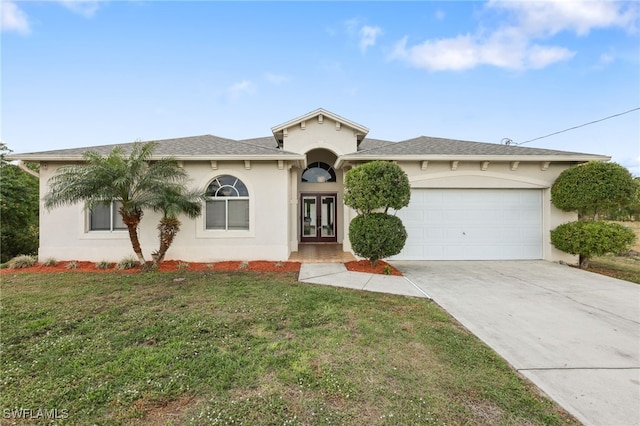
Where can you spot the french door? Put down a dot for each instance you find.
(318, 218)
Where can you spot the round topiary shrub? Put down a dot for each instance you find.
(377, 236)
(376, 185)
(593, 188)
(592, 238)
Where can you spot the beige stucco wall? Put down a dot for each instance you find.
(340, 140)
(64, 234)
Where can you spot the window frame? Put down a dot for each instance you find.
(323, 166)
(228, 199)
(114, 218)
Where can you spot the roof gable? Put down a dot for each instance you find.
(280, 130)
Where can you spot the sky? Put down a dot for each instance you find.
(87, 73)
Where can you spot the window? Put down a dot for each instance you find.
(227, 204)
(106, 217)
(319, 172)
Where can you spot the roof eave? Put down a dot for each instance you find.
(252, 157)
(504, 158)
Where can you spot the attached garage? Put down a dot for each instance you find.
(473, 224)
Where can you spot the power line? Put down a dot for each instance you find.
(508, 141)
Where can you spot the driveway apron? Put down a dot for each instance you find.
(574, 334)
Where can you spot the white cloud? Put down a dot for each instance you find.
(13, 18)
(368, 36)
(276, 79)
(238, 89)
(545, 18)
(514, 45)
(538, 57)
(86, 8)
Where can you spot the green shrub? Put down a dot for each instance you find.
(22, 261)
(103, 264)
(376, 185)
(73, 265)
(127, 263)
(593, 188)
(50, 262)
(592, 238)
(376, 236)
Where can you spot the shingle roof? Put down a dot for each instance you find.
(207, 147)
(210, 147)
(430, 146)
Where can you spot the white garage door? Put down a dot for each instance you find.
(473, 224)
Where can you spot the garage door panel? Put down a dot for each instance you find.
(473, 224)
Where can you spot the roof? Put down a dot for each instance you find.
(204, 147)
(423, 148)
(430, 148)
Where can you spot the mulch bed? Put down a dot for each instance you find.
(382, 268)
(365, 266)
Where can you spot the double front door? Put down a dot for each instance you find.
(318, 217)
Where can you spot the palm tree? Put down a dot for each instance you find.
(134, 180)
(172, 201)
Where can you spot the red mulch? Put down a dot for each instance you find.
(365, 266)
(228, 266)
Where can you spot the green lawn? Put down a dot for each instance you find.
(244, 348)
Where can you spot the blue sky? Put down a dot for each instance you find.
(84, 73)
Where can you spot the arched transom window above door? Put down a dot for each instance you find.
(319, 172)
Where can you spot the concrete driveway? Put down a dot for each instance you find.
(574, 334)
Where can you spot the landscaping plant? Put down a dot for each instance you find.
(592, 238)
(592, 189)
(369, 188)
(136, 181)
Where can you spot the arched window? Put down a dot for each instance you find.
(227, 204)
(319, 172)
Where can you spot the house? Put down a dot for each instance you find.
(469, 201)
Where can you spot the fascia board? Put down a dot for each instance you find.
(503, 158)
(59, 158)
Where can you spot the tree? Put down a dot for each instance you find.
(134, 180)
(593, 188)
(592, 238)
(19, 206)
(374, 186)
(173, 201)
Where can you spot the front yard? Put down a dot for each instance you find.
(208, 347)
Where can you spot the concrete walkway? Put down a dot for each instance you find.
(574, 334)
(336, 274)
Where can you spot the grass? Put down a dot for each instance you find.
(622, 267)
(246, 348)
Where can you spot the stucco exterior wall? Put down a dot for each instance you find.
(64, 232)
(326, 135)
